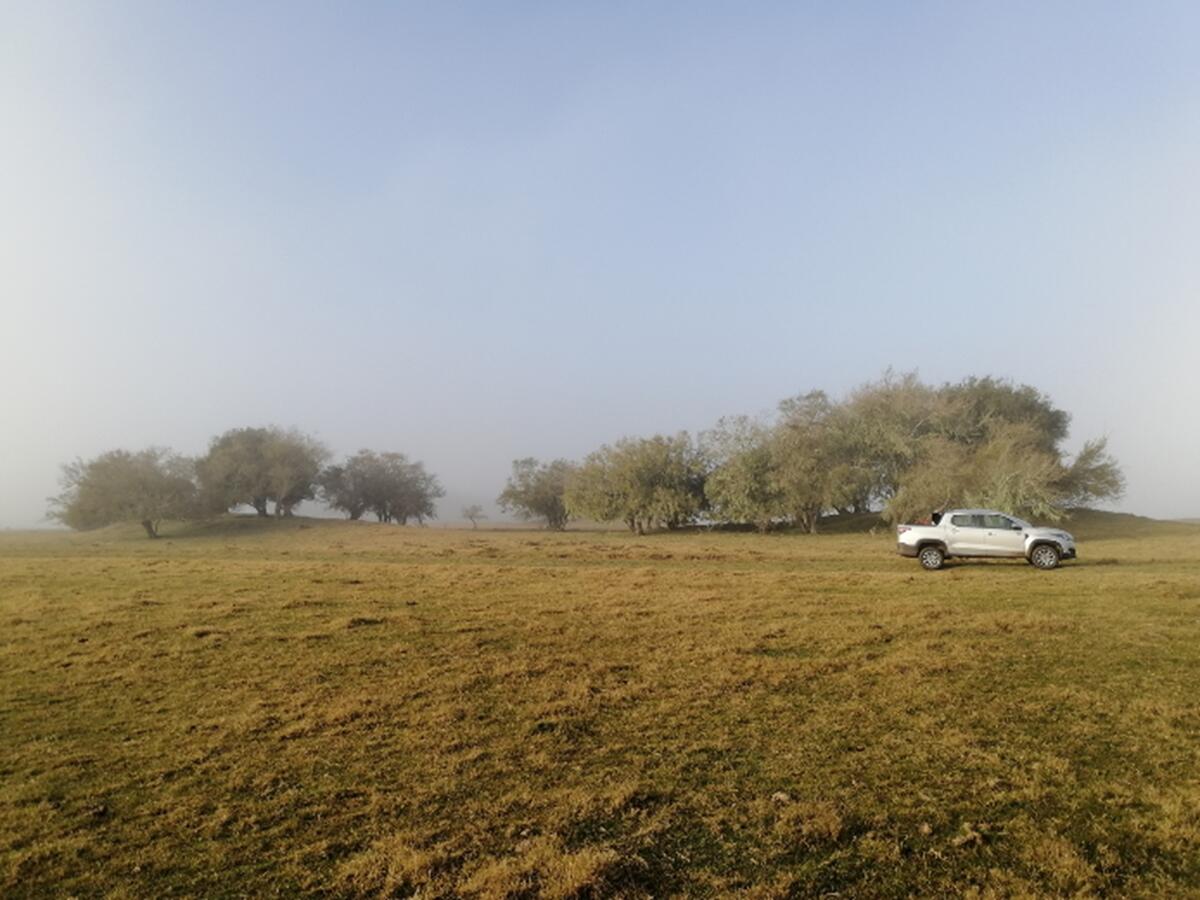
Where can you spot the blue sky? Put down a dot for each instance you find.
(476, 232)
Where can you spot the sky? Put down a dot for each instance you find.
(477, 232)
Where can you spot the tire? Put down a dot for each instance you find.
(1044, 556)
(931, 558)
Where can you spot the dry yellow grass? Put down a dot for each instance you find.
(258, 709)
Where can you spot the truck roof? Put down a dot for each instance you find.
(979, 512)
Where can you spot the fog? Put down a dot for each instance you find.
(479, 233)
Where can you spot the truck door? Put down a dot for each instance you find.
(1004, 536)
(967, 535)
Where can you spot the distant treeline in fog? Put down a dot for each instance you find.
(895, 445)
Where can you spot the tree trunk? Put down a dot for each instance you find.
(151, 528)
(260, 506)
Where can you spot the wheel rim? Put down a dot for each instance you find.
(1044, 557)
(931, 559)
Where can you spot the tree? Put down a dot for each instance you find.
(234, 471)
(1092, 476)
(347, 486)
(1011, 471)
(405, 491)
(879, 428)
(982, 441)
(643, 482)
(473, 514)
(855, 476)
(119, 486)
(536, 491)
(741, 487)
(294, 463)
(255, 466)
(804, 470)
(936, 483)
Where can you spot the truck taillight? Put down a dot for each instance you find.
(900, 529)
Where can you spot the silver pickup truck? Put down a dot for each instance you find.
(983, 532)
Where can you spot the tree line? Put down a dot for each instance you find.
(256, 467)
(895, 445)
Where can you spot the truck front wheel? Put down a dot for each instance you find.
(931, 558)
(1044, 556)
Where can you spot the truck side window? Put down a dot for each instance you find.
(966, 521)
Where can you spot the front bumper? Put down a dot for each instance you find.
(905, 549)
(1068, 553)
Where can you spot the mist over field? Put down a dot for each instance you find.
(475, 234)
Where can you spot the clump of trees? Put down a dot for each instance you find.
(388, 485)
(895, 445)
(254, 467)
(906, 448)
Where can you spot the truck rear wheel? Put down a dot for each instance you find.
(1044, 556)
(931, 558)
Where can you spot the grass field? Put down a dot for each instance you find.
(330, 708)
